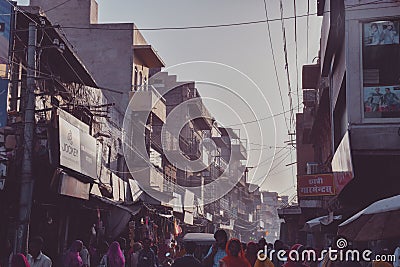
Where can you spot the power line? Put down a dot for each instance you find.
(274, 61)
(287, 189)
(297, 63)
(273, 157)
(54, 7)
(257, 120)
(188, 27)
(291, 118)
(22, 11)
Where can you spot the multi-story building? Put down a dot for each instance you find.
(270, 202)
(80, 184)
(347, 135)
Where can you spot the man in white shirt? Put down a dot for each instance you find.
(35, 257)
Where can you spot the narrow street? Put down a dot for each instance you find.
(213, 134)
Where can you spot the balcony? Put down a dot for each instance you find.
(145, 99)
(203, 117)
(221, 141)
(239, 151)
(149, 177)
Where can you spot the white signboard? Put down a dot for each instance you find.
(115, 187)
(188, 201)
(135, 190)
(70, 148)
(188, 219)
(177, 203)
(78, 149)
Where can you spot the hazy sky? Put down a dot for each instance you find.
(244, 48)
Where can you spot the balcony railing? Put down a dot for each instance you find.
(199, 111)
(146, 98)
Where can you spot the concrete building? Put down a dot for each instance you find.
(359, 41)
(116, 54)
(347, 135)
(270, 203)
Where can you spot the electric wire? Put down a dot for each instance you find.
(297, 63)
(291, 117)
(274, 62)
(54, 7)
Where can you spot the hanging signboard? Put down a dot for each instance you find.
(316, 185)
(77, 148)
(342, 165)
(6, 14)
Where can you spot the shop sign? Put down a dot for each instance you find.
(72, 187)
(342, 165)
(316, 185)
(77, 149)
(6, 14)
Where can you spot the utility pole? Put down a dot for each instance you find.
(27, 181)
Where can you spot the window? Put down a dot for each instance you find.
(135, 81)
(381, 64)
(140, 80)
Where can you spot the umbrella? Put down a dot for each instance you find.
(378, 221)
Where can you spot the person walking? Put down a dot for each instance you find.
(85, 255)
(251, 252)
(135, 254)
(295, 263)
(146, 257)
(188, 259)
(36, 258)
(235, 256)
(278, 246)
(114, 256)
(73, 259)
(217, 251)
(19, 260)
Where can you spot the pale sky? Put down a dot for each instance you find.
(245, 48)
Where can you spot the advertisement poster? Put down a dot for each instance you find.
(382, 101)
(5, 29)
(381, 33)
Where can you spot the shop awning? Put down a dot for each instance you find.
(132, 209)
(155, 197)
(316, 223)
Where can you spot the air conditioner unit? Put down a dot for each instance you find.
(312, 168)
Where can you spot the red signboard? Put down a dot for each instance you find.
(316, 185)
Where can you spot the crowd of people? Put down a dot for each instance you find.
(223, 253)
